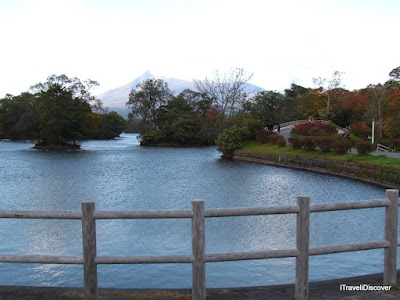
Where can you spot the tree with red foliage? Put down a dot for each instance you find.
(354, 105)
(360, 129)
(392, 128)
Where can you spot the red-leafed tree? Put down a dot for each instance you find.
(360, 129)
(354, 105)
(392, 128)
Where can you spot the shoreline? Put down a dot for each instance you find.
(345, 169)
(327, 289)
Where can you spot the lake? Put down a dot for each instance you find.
(120, 175)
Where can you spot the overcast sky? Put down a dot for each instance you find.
(114, 41)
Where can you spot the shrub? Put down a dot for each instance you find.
(278, 140)
(230, 140)
(315, 131)
(396, 144)
(308, 143)
(325, 142)
(364, 147)
(263, 136)
(341, 146)
(151, 138)
(295, 142)
(311, 128)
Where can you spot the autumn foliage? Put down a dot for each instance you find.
(360, 129)
(314, 128)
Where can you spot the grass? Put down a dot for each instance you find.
(380, 160)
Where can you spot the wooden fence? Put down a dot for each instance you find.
(198, 258)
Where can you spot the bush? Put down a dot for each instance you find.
(151, 138)
(314, 128)
(341, 146)
(325, 142)
(230, 140)
(308, 143)
(264, 136)
(278, 140)
(318, 132)
(364, 147)
(295, 142)
(396, 144)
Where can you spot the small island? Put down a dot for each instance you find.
(57, 114)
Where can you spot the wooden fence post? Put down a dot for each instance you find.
(302, 242)
(198, 251)
(89, 250)
(391, 216)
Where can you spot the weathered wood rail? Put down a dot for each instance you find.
(198, 258)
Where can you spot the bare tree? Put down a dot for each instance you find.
(146, 98)
(227, 89)
(378, 94)
(327, 86)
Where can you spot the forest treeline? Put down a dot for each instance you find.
(62, 111)
(59, 112)
(198, 117)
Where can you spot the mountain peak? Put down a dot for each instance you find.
(146, 75)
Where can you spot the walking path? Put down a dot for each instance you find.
(320, 290)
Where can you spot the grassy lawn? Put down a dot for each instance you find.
(380, 160)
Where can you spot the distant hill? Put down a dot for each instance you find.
(116, 99)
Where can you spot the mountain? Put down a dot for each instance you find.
(116, 98)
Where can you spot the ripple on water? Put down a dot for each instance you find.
(120, 175)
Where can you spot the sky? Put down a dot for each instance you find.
(279, 42)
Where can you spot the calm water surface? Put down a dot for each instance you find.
(121, 175)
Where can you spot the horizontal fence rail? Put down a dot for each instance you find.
(292, 124)
(198, 257)
(380, 147)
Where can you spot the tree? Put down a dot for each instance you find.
(230, 140)
(395, 74)
(56, 113)
(227, 89)
(290, 110)
(184, 121)
(377, 93)
(19, 117)
(61, 116)
(394, 79)
(310, 104)
(64, 106)
(146, 99)
(267, 107)
(392, 128)
(111, 125)
(326, 87)
(73, 85)
(352, 108)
